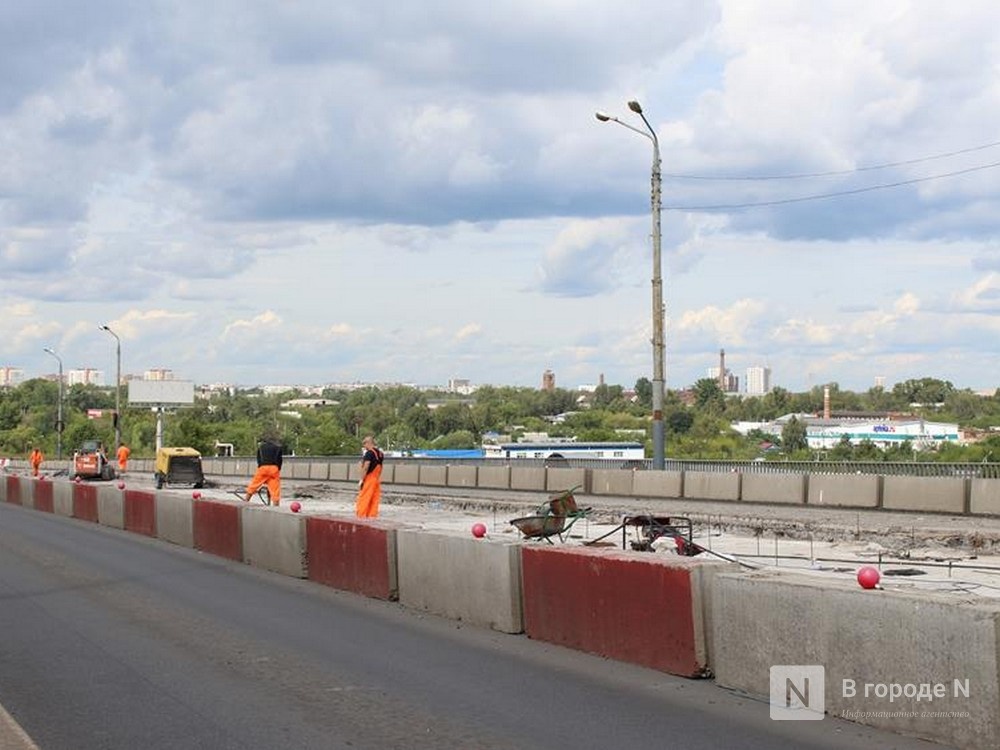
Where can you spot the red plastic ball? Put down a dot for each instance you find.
(295, 507)
(868, 577)
(479, 530)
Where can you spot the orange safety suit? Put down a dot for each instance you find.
(35, 459)
(123, 455)
(268, 472)
(370, 485)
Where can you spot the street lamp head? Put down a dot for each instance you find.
(46, 349)
(103, 328)
(635, 107)
(602, 116)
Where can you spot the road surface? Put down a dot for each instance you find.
(116, 641)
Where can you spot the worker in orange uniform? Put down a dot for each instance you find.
(35, 459)
(268, 470)
(123, 455)
(370, 484)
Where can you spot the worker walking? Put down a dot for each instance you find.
(123, 456)
(370, 484)
(268, 470)
(35, 459)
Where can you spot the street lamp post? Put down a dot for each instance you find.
(118, 387)
(59, 406)
(658, 345)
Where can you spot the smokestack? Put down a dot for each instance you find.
(826, 402)
(722, 370)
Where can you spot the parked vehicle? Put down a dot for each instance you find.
(178, 465)
(91, 462)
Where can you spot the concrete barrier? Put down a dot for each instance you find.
(493, 477)
(274, 540)
(774, 488)
(338, 471)
(296, 469)
(558, 479)
(3, 487)
(319, 470)
(217, 528)
(935, 494)
(874, 637)
(985, 497)
(13, 485)
(388, 472)
(611, 482)
(848, 490)
(110, 506)
(462, 476)
(472, 580)
(44, 496)
(353, 555)
(712, 485)
(139, 512)
(62, 498)
(636, 607)
(406, 474)
(433, 475)
(527, 478)
(85, 502)
(175, 518)
(658, 484)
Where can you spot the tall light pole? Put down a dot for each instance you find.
(59, 407)
(658, 346)
(118, 387)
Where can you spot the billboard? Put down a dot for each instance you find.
(160, 392)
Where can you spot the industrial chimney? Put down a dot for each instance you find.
(826, 402)
(722, 370)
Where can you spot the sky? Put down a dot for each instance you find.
(312, 192)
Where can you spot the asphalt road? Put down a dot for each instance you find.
(115, 641)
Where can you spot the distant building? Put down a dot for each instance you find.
(11, 376)
(885, 431)
(85, 376)
(758, 381)
(548, 381)
(158, 374)
(728, 383)
(460, 385)
(880, 381)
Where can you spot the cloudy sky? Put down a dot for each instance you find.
(300, 191)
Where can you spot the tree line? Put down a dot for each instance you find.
(697, 420)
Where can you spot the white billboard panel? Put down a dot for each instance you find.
(160, 392)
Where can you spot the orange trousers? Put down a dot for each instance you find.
(366, 506)
(34, 468)
(271, 476)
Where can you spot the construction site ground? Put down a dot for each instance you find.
(924, 551)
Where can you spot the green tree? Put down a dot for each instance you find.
(793, 436)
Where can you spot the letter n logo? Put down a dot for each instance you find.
(798, 692)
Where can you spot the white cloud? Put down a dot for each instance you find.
(374, 177)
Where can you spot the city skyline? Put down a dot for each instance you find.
(306, 192)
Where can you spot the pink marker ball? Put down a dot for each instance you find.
(121, 485)
(295, 507)
(868, 577)
(196, 494)
(479, 530)
(78, 480)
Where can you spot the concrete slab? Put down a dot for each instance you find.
(110, 506)
(865, 637)
(275, 540)
(473, 580)
(935, 494)
(773, 488)
(845, 490)
(175, 518)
